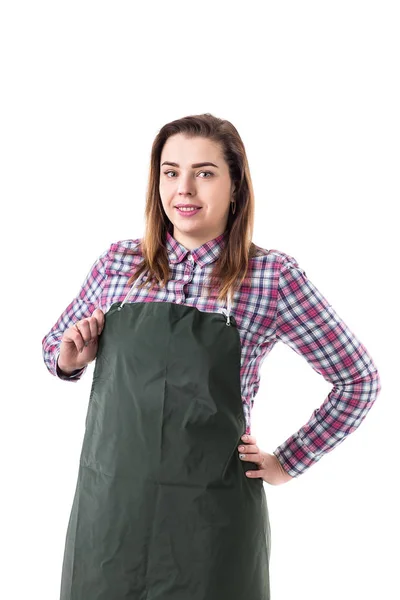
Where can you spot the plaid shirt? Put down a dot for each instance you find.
(275, 302)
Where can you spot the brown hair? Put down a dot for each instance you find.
(231, 266)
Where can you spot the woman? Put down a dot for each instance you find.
(170, 500)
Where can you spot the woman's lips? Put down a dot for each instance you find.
(187, 213)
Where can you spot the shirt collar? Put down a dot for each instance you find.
(203, 255)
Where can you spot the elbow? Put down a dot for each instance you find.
(377, 381)
(372, 385)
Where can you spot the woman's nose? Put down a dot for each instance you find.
(186, 185)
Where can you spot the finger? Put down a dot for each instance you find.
(254, 458)
(88, 329)
(74, 335)
(256, 473)
(98, 314)
(77, 332)
(94, 328)
(83, 327)
(248, 439)
(249, 449)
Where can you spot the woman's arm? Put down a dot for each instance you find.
(310, 326)
(83, 305)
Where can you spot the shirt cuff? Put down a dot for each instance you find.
(74, 376)
(294, 455)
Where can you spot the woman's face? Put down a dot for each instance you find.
(185, 179)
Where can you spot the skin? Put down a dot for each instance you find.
(211, 188)
(270, 469)
(79, 343)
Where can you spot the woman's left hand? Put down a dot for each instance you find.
(270, 469)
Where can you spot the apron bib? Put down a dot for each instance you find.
(163, 509)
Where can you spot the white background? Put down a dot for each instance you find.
(313, 89)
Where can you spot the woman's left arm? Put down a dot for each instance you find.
(310, 326)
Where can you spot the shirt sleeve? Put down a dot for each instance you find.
(310, 326)
(83, 305)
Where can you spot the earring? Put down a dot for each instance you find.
(233, 207)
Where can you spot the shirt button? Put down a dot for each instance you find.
(191, 258)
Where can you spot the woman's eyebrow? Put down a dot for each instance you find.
(194, 166)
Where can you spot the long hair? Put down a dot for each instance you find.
(231, 266)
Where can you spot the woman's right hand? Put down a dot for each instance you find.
(79, 342)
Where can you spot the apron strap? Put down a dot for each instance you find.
(226, 311)
(129, 294)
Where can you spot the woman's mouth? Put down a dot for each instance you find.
(187, 212)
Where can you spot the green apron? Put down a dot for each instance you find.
(163, 509)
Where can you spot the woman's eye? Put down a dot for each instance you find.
(206, 172)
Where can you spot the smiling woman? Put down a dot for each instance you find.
(196, 202)
(164, 505)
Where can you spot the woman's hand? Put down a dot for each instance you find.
(270, 469)
(79, 343)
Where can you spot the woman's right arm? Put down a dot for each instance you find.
(81, 307)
